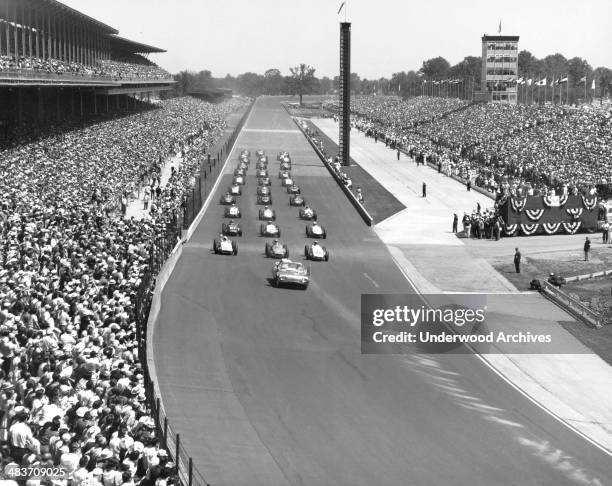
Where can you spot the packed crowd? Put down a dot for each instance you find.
(515, 149)
(108, 68)
(71, 381)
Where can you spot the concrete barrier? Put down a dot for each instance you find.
(572, 306)
(349, 194)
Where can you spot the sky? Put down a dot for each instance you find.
(236, 36)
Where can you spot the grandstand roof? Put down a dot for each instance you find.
(133, 46)
(58, 6)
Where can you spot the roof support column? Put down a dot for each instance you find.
(8, 31)
(23, 31)
(30, 29)
(15, 31)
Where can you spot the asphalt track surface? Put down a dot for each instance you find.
(268, 386)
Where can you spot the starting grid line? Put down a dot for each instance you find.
(269, 130)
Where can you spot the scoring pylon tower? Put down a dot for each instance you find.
(345, 92)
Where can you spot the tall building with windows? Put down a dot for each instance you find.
(500, 68)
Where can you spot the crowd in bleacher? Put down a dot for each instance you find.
(115, 69)
(71, 381)
(504, 148)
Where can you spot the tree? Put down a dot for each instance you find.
(326, 85)
(250, 84)
(436, 68)
(527, 64)
(302, 80)
(273, 82)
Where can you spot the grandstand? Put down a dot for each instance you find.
(56, 61)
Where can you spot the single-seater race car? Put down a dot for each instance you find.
(261, 165)
(264, 190)
(227, 198)
(297, 200)
(244, 153)
(315, 230)
(235, 190)
(269, 229)
(285, 166)
(264, 181)
(264, 199)
(263, 159)
(293, 189)
(239, 180)
(244, 165)
(307, 213)
(284, 174)
(231, 229)
(286, 272)
(224, 246)
(316, 252)
(232, 211)
(239, 171)
(261, 173)
(276, 249)
(259, 153)
(282, 155)
(286, 182)
(267, 214)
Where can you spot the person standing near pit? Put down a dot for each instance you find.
(587, 249)
(455, 222)
(517, 260)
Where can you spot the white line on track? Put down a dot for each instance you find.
(371, 280)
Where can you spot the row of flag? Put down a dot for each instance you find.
(553, 82)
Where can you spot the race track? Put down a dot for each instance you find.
(268, 386)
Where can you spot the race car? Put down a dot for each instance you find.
(297, 200)
(239, 180)
(293, 189)
(259, 153)
(261, 165)
(264, 181)
(285, 157)
(231, 229)
(315, 230)
(225, 246)
(285, 166)
(267, 214)
(263, 158)
(261, 173)
(261, 190)
(307, 213)
(264, 199)
(243, 165)
(232, 211)
(284, 174)
(287, 182)
(244, 153)
(269, 229)
(282, 155)
(286, 272)
(240, 171)
(235, 190)
(227, 198)
(316, 252)
(276, 249)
